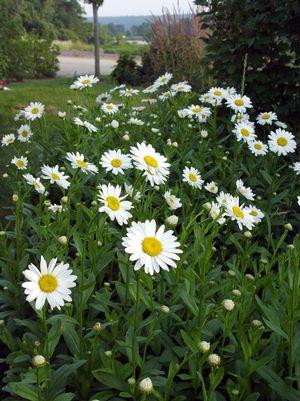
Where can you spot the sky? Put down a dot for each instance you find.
(115, 8)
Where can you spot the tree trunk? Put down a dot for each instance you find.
(96, 40)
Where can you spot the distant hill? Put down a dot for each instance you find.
(128, 21)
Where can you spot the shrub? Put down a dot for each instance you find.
(176, 43)
(265, 32)
(29, 57)
(127, 70)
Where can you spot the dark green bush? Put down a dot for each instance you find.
(267, 32)
(28, 57)
(127, 71)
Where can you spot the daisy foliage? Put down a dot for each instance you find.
(149, 246)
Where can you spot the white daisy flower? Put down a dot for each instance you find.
(8, 139)
(223, 198)
(151, 249)
(282, 142)
(55, 208)
(114, 204)
(109, 108)
(166, 95)
(20, 162)
(35, 182)
(24, 133)
(51, 283)
(192, 176)
(183, 113)
(173, 202)
(238, 103)
(199, 111)
(85, 81)
(218, 93)
(150, 89)
(296, 168)
(256, 213)
(245, 191)
(212, 187)
(239, 213)
(211, 99)
(34, 110)
(77, 161)
(215, 212)
(154, 165)
(240, 117)
(163, 79)
(103, 97)
(266, 118)
(258, 148)
(181, 87)
(127, 92)
(55, 176)
(135, 121)
(244, 131)
(90, 127)
(115, 161)
(136, 195)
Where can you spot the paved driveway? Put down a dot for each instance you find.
(70, 66)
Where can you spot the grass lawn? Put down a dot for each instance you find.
(53, 93)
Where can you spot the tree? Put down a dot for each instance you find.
(96, 4)
(267, 32)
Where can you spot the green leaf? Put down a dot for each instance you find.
(26, 392)
(110, 380)
(65, 397)
(285, 391)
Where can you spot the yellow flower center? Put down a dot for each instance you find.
(181, 87)
(113, 203)
(20, 163)
(55, 176)
(196, 109)
(239, 102)
(245, 132)
(109, 107)
(150, 161)
(192, 177)
(265, 116)
(151, 246)
(36, 185)
(116, 162)
(24, 134)
(253, 213)
(10, 140)
(82, 163)
(282, 141)
(35, 110)
(217, 93)
(237, 212)
(48, 283)
(163, 80)
(86, 81)
(257, 146)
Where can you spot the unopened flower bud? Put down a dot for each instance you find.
(236, 293)
(126, 137)
(228, 304)
(47, 202)
(97, 327)
(256, 323)
(63, 240)
(172, 220)
(2, 233)
(39, 361)
(5, 175)
(131, 381)
(146, 386)
(15, 198)
(64, 199)
(108, 353)
(288, 227)
(165, 309)
(115, 124)
(214, 360)
(247, 234)
(204, 346)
